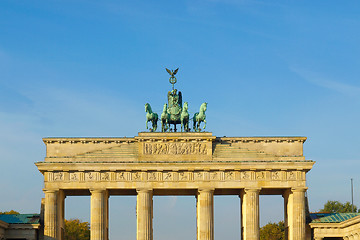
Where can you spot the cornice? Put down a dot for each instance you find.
(261, 139)
(88, 140)
(171, 137)
(178, 165)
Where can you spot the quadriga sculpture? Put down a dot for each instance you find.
(200, 117)
(151, 117)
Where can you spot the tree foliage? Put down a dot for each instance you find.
(273, 231)
(77, 230)
(338, 207)
(10, 212)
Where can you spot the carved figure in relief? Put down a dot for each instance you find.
(229, 175)
(58, 176)
(121, 176)
(105, 176)
(291, 176)
(136, 176)
(168, 176)
(165, 117)
(73, 176)
(213, 175)
(151, 117)
(260, 175)
(199, 175)
(200, 117)
(89, 175)
(183, 176)
(152, 176)
(276, 175)
(184, 118)
(245, 175)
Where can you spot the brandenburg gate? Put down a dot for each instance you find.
(175, 163)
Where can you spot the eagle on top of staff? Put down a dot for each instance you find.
(172, 73)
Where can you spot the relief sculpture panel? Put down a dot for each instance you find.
(175, 148)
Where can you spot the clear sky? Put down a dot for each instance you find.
(266, 68)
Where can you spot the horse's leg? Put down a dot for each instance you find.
(147, 124)
(182, 125)
(205, 123)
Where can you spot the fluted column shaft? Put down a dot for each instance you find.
(205, 214)
(98, 215)
(250, 214)
(144, 214)
(50, 218)
(296, 214)
(61, 215)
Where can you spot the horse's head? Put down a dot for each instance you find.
(185, 106)
(147, 107)
(203, 106)
(165, 107)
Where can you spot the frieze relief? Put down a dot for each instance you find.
(260, 175)
(90, 176)
(74, 176)
(191, 176)
(175, 148)
(58, 176)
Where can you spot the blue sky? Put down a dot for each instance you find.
(266, 68)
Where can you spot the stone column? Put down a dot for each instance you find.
(98, 215)
(106, 206)
(61, 215)
(296, 213)
(50, 218)
(250, 214)
(144, 214)
(286, 213)
(205, 214)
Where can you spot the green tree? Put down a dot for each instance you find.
(338, 207)
(10, 212)
(77, 230)
(273, 231)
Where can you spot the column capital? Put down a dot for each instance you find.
(50, 190)
(206, 189)
(144, 190)
(97, 190)
(252, 190)
(299, 189)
